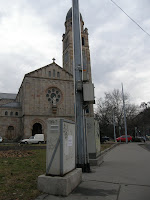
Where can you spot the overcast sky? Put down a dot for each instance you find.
(31, 35)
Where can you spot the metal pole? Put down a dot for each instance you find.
(114, 125)
(79, 112)
(119, 133)
(87, 169)
(135, 131)
(124, 110)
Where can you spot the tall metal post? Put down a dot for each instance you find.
(135, 131)
(114, 124)
(124, 111)
(119, 133)
(78, 65)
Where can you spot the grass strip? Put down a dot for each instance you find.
(19, 170)
(106, 146)
(18, 175)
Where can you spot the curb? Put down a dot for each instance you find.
(110, 148)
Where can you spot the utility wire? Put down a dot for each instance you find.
(130, 18)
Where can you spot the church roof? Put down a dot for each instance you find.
(11, 105)
(69, 15)
(49, 66)
(7, 96)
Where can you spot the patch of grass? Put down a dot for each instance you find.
(7, 144)
(19, 170)
(105, 146)
(18, 175)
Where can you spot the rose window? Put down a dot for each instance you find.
(53, 95)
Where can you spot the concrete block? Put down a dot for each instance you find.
(61, 186)
(97, 161)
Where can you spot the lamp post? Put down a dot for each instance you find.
(124, 111)
(114, 123)
(119, 133)
(135, 132)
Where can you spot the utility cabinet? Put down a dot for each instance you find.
(60, 150)
(93, 137)
(88, 92)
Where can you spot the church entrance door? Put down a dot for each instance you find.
(10, 133)
(37, 129)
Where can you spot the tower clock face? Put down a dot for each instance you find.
(53, 93)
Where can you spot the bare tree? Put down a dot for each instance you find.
(145, 105)
(104, 113)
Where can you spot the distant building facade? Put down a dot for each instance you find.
(44, 93)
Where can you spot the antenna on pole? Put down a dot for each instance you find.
(124, 111)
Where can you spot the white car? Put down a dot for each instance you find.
(148, 137)
(1, 139)
(36, 139)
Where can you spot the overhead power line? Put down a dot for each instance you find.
(130, 18)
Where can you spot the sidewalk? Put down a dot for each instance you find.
(124, 175)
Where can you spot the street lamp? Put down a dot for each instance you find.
(135, 132)
(119, 133)
(114, 123)
(124, 111)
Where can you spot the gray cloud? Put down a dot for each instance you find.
(31, 34)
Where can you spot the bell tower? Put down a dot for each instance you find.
(68, 48)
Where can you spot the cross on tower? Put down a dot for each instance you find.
(53, 60)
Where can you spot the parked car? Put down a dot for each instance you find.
(1, 139)
(148, 137)
(123, 138)
(139, 139)
(36, 139)
(142, 138)
(104, 139)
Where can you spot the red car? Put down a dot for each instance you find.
(123, 138)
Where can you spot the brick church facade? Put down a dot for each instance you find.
(44, 93)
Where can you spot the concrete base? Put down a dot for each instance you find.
(97, 161)
(61, 186)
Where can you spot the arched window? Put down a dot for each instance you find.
(58, 74)
(16, 113)
(6, 113)
(10, 134)
(83, 41)
(10, 128)
(49, 73)
(11, 113)
(37, 129)
(53, 72)
(87, 110)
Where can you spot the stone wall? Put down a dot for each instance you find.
(36, 107)
(36, 102)
(10, 127)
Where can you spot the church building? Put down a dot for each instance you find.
(47, 92)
